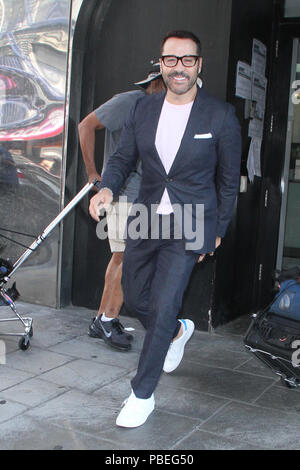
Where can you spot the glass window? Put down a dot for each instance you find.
(33, 68)
(291, 8)
(291, 248)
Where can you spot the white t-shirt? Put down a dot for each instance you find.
(171, 126)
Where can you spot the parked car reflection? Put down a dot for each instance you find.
(41, 177)
(26, 113)
(29, 201)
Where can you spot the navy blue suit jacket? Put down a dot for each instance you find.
(205, 170)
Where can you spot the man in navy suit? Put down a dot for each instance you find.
(190, 145)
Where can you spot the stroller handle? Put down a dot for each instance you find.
(50, 227)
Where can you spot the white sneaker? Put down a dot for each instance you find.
(135, 411)
(176, 349)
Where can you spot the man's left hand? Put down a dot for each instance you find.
(218, 242)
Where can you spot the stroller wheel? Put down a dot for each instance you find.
(24, 344)
(288, 384)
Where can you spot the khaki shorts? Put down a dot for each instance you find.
(116, 223)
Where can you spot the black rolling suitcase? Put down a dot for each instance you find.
(274, 334)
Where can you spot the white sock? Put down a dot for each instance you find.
(105, 318)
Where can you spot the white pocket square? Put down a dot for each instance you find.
(203, 136)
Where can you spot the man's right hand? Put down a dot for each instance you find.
(92, 177)
(102, 199)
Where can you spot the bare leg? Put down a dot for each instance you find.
(112, 297)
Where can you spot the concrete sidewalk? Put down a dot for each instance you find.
(66, 390)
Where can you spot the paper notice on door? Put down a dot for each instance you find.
(256, 125)
(259, 57)
(243, 80)
(259, 89)
(253, 162)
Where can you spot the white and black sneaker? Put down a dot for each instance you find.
(112, 332)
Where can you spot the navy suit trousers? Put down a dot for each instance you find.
(155, 276)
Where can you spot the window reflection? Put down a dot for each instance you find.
(291, 249)
(291, 8)
(33, 66)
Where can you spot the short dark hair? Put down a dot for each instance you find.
(181, 34)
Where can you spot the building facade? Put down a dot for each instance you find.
(61, 59)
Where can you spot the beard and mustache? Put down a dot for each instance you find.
(191, 80)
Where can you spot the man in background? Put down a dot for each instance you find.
(111, 117)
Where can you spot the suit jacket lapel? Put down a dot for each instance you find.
(195, 124)
(155, 115)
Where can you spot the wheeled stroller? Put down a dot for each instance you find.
(7, 270)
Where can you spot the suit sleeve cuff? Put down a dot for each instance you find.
(220, 232)
(99, 187)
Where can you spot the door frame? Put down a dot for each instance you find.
(287, 158)
(273, 163)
